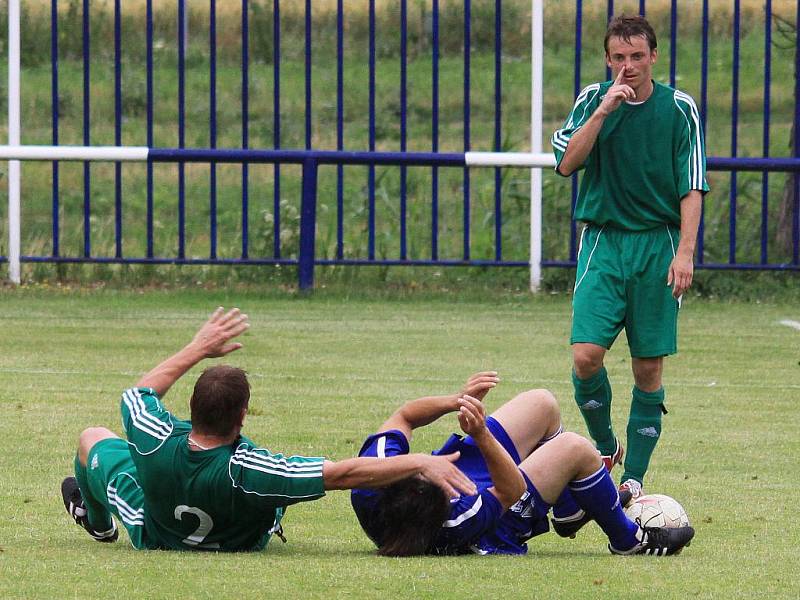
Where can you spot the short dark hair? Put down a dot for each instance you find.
(626, 27)
(220, 394)
(408, 516)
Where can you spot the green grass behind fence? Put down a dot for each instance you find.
(261, 217)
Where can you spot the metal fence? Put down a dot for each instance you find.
(259, 135)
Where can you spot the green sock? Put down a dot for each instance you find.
(98, 515)
(644, 430)
(593, 397)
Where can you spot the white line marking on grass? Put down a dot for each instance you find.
(792, 324)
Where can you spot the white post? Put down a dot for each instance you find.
(537, 77)
(13, 140)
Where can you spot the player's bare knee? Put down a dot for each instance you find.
(88, 438)
(546, 405)
(579, 448)
(586, 362)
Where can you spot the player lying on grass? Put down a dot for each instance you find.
(200, 484)
(521, 463)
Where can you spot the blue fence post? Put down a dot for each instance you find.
(308, 225)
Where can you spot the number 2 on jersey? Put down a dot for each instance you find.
(206, 524)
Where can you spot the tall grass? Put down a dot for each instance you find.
(263, 216)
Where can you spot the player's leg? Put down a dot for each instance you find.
(529, 419)
(106, 485)
(87, 510)
(571, 461)
(593, 396)
(598, 312)
(644, 423)
(651, 327)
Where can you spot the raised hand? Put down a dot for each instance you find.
(472, 416)
(479, 384)
(617, 94)
(440, 471)
(213, 337)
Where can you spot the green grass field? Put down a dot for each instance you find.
(326, 370)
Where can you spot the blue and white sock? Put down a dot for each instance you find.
(598, 496)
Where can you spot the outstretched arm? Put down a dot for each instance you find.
(379, 472)
(422, 411)
(509, 485)
(211, 341)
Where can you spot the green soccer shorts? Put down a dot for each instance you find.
(621, 281)
(113, 482)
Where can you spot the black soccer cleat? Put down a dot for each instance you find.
(73, 502)
(660, 541)
(568, 529)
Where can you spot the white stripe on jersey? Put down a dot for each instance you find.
(127, 513)
(143, 420)
(467, 514)
(559, 139)
(246, 491)
(696, 155)
(254, 459)
(274, 470)
(381, 450)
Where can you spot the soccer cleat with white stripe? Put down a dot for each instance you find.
(660, 541)
(73, 502)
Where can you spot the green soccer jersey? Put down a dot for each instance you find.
(226, 498)
(647, 157)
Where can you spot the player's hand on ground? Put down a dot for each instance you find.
(440, 471)
(618, 93)
(471, 416)
(213, 337)
(479, 384)
(681, 271)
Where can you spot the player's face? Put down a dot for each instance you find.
(635, 57)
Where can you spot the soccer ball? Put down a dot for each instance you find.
(657, 510)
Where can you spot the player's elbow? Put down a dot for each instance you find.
(564, 170)
(510, 491)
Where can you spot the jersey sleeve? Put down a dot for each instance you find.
(364, 500)
(384, 444)
(146, 422)
(585, 104)
(277, 478)
(470, 517)
(691, 151)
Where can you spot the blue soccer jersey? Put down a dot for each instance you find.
(477, 523)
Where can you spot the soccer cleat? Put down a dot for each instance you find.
(568, 528)
(629, 490)
(660, 541)
(609, 460)
(73, 502)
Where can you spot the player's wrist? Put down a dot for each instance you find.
(482, 436)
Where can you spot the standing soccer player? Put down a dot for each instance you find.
(641, 146)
